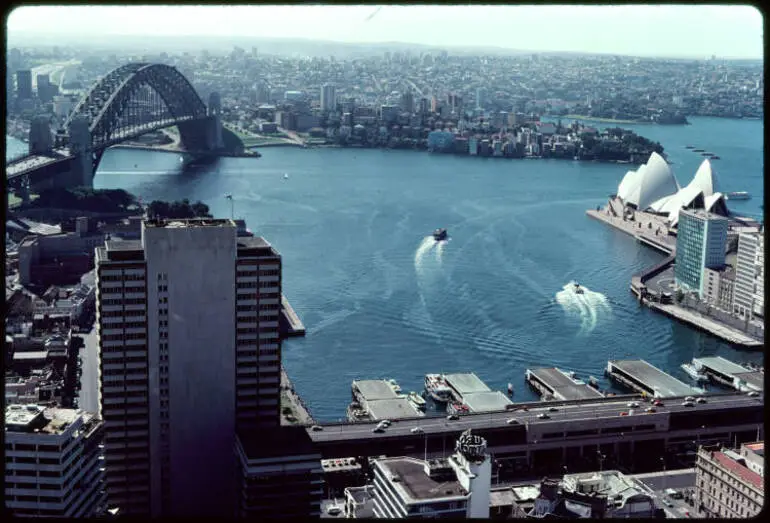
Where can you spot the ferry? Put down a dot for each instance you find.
(439, 234)
(738, 195)
(394, 385)
(693, 373)
(417, 400)
(437, 389)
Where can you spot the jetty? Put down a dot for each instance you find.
(555, 384)
(469, 390)
(375, 400)
(289, 323)
(726, 373)
(647, 379)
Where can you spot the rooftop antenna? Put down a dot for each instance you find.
(232, 206)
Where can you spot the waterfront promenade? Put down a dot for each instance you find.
(707, 324)
(645, 227)
(290, 400)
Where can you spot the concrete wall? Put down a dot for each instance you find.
(200, 266)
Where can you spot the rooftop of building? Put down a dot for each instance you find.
(702, 213)
(38, 419)
(175, 223)
(738, 469)
(524, 493)
(501, 497)
(415, 484)
(663, 384)
(466, 383)
(374, 390)
(610, 483)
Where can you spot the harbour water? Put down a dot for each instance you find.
(380, 298)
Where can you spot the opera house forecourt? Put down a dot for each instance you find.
(653, 188)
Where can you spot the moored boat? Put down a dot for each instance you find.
(738, 195)
(437, 389)
(417, 400)
(394, 385)
(693, 373)
(456, 407)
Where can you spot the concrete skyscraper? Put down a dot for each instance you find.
(24, 84)
(749, 293)
(328, 98)
(190, 352)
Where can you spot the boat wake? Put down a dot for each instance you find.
(440, 250)
(589, 306)
(426, 245)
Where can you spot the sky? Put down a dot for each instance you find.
(645, 30)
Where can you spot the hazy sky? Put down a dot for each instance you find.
(669, 30)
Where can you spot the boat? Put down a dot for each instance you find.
(698, 150)
(285, 176)
(707, 154)
(693, 373)
(417, 400)
(394, 385)
(437, 389)
(510, 389)
(578, 289)
(689, 147)
(737, 195)
(715, 157)
(439, 235)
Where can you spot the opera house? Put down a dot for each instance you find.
(653, 188)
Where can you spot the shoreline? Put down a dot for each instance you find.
(603, 120)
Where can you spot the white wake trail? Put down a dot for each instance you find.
(427, 244)
(589, 306)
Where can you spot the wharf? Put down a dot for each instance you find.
(293, 409)
(707, 324)
(468, 389)
(725, 372)
(647, 379)
(554, 383)
(290, 324)
(376, 400)
(643, 227)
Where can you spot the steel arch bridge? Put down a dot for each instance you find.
(138, 98)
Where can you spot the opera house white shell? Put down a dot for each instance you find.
(653, 187)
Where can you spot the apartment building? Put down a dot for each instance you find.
(749, 292)
(190, 351)
(730, 484)
(53, 462)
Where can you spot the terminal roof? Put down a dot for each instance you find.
(490, 401)
(374, 390)
(396, 408)
(721, 364)
(466, 383)
(664, 384)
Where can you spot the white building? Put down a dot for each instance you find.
(456, 487)
(53, 463)
(749, 293)
(189, 351)
(328, 97)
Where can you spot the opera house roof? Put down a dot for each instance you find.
(653, 187)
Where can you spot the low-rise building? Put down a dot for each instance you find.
(53, 464)
(730, 484)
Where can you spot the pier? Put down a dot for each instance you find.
(469, 390)
(729, 374)
(708, 325)
(642, 377)
(375, 400)
(553, 383)
(290, 324)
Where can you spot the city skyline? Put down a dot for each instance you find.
(680, 31)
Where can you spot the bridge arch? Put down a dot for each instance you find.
(105, 104)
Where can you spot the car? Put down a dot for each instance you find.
(688, 404)
(650, 409)
(657, 403)
(624, 413)
(417, 430)
(700, 399)
(689, 398)
(378, 429)
(386, 422)
(632, 405)
(512, 421)
(543, 415)
(553, 409)
(316, 428)
(525, 409)
(453, 417)
(753, 394)
(334, 511)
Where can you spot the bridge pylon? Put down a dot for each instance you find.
(82, 172)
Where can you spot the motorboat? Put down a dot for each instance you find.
(437, 388)
(738, 195)
(693, 373)
(439, 235)
(285, 176)
(578, 288)
(715, 157)
(417, 400)
(698, 150)
(689, 147)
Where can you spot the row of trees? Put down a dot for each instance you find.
(86, 199)
(179, 209)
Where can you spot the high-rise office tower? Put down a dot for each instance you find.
(52, 462)
(700, 244)
(44, 88)
(190, 352)
(328, 97)
(407, 102)
(480, 98)
(749, 290)
(24, 84)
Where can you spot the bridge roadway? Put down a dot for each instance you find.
(587, 416)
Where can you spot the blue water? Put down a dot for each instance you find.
(380, 300)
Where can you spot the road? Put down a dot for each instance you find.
(682, 480)
(566, 412)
